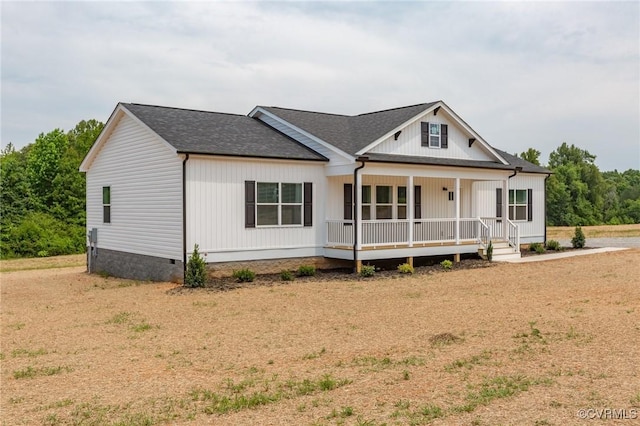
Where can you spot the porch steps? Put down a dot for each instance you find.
(501, 251)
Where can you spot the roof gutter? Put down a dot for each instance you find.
(184, 218)
(362, 160)
(517, 170)
(545, 207)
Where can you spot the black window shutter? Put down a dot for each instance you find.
(308, 204)
(424, 130)
(498, 202)
(249, 204)
(444, 142)
(348, 201)
(417, 190)
(529, 205)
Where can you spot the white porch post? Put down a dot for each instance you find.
(457, 201)
(410, 212)
(505, 208)
(358, 208)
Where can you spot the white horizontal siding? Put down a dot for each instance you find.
(410, 142)
(484, 201)
(333, 156)
(215, 206)
(146, 193)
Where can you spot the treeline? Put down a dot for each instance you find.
(42, 193)
(579, 194)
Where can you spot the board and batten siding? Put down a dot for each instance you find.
(335, 158)
(216, 205)
(484, 202)
(145, 177)
(410, 142)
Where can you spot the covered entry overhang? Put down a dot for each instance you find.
(411, 210)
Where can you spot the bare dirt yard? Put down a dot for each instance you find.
(516, 344)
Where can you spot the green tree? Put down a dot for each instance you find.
(43, 164)
(575, 191)
(531, 155)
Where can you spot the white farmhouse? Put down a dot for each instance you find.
(310, 187)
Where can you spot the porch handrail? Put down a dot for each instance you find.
(484, 233)
(514, 235)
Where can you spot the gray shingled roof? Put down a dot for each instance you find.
(349, 133)
(201, 132)
(352, 133)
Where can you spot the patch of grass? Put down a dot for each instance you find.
(314, 355)
(245, 394)
(16, 325)
(20, 353)
(31, 372)
(120, 318)
(142, 326)
(635, 400)
(497, 388)
(468, 363)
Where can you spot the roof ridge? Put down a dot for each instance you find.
(397, 108)
(307, 111)
(183, 109)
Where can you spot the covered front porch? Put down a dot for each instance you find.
(427, 212)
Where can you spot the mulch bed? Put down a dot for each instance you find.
(382, 273)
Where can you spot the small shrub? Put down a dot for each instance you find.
(578, 239)
(367, 271)
(490, 251)
(553, 245)
(306, 271)
(405, 268)
(196, 274)
(540, 249)
(446, 264)
(244, 275)
(535, 247)
(286, 275)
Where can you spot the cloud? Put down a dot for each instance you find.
(523, 74)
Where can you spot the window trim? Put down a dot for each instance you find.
(439, 136)
(513, 206)
(280, 204)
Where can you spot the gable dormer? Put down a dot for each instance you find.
(437, 132)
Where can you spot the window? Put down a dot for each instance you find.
(278, 203)
(402, 202)
(366, 202)
(384, 202)
(434, 135)
(518, 204)
(106, 204)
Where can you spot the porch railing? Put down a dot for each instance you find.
(495, 225)
(484, 233)
(514, 235)
(440, 230)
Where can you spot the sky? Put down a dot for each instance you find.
(522, 74)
